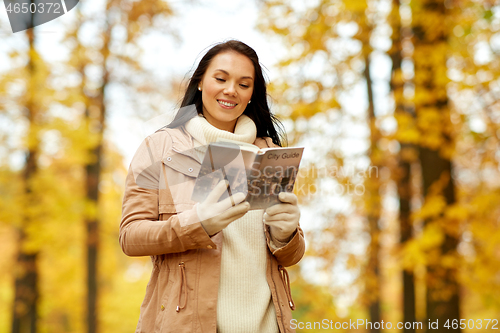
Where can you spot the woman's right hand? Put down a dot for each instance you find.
(215, 216)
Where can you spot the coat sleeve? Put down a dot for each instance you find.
(294, 250)
(141, 231)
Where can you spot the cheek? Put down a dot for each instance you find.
(207, 92)
(248, 95)
(208, 95)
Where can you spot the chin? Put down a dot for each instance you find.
(228, 117)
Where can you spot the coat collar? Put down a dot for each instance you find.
(182, 157)
(182, 143)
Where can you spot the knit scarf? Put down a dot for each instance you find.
(205, 133)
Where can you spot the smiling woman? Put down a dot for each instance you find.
(227, 88)
(218, 267)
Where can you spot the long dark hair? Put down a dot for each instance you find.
(267, 124)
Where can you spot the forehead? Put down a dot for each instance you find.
(232, 62)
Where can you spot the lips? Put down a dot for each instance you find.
(226, 103)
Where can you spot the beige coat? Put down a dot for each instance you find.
(181, 295)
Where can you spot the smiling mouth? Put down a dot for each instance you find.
(226, 103)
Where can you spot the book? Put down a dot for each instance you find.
(261, 174)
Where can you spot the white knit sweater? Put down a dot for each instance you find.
(244, 299)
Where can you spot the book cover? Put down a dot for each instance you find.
(261, 174)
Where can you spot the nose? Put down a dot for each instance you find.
(230, 89)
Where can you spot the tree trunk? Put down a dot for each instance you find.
(373, 207)
(92, 222)
(403, 178)
(26, 294)
(25, 313)
(441, 279)
(431, 31)
(404, 192)
(97, 124)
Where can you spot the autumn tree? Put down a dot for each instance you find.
(335, 36)
(372, 197)
(25, 305)
(474, 72)
(39, 200)
(115, 59)
(80, 174)
(430, 26)
(407, 137)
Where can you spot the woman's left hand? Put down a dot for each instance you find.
(283, 218)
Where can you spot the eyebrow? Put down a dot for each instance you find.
(243, 77)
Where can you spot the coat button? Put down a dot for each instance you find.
(209, 246)
(169, 159)
(162, 307)
(190, 169)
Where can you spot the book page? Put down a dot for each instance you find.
(227, 161)
(274, 171)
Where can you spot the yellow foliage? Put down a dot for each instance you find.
(432, 237)
(433, 47)
(412, 255)
(457, 212)
(433, 207)
(407, 132)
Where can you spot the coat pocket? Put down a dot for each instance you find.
(179, 302)
(163, 295)
(156, 288)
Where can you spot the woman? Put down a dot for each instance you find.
(217, 267)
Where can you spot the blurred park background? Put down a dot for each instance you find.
(396, 102)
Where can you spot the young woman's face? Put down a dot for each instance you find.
(227, 87)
